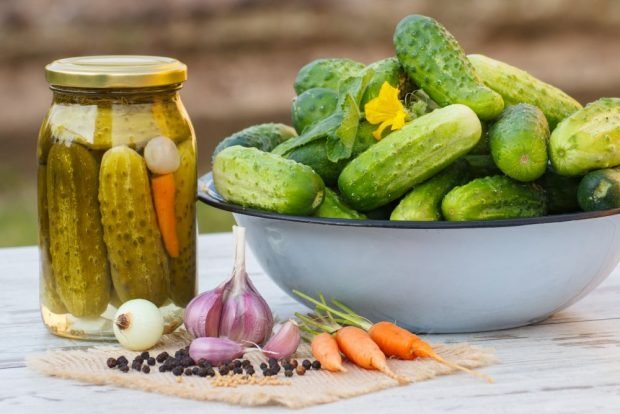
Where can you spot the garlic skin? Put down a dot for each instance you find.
(285, 342)
(215, 350)
(138, 325)
(161, 155)
(202, 315)
(246, 316)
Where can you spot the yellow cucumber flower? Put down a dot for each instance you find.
(386, 109)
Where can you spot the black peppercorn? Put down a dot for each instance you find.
(287, 366)
(250, 371)
(150, 361)
(146, 369)
(288, 373)
(177, 371)
(263, 366)
(224, 371)
(111, 362)
(121, 360)
(188, 372)
(307, 364)
(246, 363)
(162, 368)
(124, 368)
(273, 362)
(195, 370)
(138, 359)
(162, 357)
(238, 370)
(145, 355)
(316, 365)
(236, 363)
(136, 365)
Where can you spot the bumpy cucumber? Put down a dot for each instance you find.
(481, 166)
(432, 57)
(312, 106)
(325, 73)
(587, 140)
(78, 253)
(135, 250)
(265, 137)
(600, 190)
(252, 178)
(518, 142)
(385, 70)
(493, 198)
(333, 207)
(561, 192)
(407, 157)
(517, 86)
(183, 267)
(48, 293)
(423, 203)
(314, 154)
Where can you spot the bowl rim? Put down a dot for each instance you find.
(209, 195)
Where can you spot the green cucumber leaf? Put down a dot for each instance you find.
(321, 129)
(355, 86)
(340, 143)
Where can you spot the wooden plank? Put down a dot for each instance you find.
(567, 364)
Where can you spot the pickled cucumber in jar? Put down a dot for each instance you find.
(117, 190)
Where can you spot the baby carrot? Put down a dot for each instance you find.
(397, 342)
(357, 345)
(325, 350)
(164, 189)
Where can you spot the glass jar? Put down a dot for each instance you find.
(116, 193)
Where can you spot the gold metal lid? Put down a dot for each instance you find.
(115, 71)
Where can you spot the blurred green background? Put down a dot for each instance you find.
(243, 56)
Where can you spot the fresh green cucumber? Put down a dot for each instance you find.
(325, 73)
(600, 190)
(407, 157)
(423, 203)
(587, 140)
(493, 198)
(517, 86)
(314, 154)
(312, 106)
(561, 192)
(265, 137)
(481, 166)
(518, 142)
(432, 57)
(333, 207)
(253, 178)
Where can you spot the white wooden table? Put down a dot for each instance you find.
(568, 364)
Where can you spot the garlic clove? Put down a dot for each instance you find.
(161, 155)
(285, 342)
(215, 350)
(203, 313)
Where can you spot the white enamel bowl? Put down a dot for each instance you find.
(436, 276)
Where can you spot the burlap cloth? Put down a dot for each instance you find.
(315, 387)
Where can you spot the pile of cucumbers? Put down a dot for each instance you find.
(483, 141)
